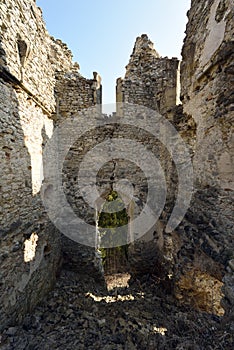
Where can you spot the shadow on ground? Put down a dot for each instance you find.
(80, 314)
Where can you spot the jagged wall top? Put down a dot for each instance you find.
(28, 52)
(150, 79)
(143, 51)
(144, 45)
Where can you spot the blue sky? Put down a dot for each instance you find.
(101, 34)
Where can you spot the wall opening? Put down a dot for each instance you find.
(30, 246)
(114, 259)
(22, 50)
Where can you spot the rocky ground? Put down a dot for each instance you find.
(80, 314)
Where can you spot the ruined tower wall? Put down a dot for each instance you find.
(30, 59)
(39, 84)
(31, 55)
(206, 75)
(74, 96)
(198, 250)
(207, 95)
(154, 73)
(74, 93)
(150, 80)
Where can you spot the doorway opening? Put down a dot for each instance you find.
(113, 228)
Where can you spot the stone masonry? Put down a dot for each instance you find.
(199, 253)
(150, 79)
(40, 88)
(207, 96)
(31, 65)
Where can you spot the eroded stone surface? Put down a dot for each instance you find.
(40, 87)
(207, 94)
(29, 61)
(80, 314)
(150, 80)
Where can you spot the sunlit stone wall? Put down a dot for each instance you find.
(207, 96)
(31, 63)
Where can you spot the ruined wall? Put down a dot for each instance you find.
(207, 94)
(196, 253)
(30, 245)
(110, 173)
(40, 87)
(207, 77)
(150, 80)
(199, 253)
(153, 82)
(74, 93)
(31, 54)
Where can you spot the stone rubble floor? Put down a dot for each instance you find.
(80, 314)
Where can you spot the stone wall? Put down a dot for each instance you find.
(109, 177)
(40, 87)
(207, 94)
(150, 80)
(31, 64)
(31, 54)
(153, 82)
(74, 93)
(197, 253)
(206, 90)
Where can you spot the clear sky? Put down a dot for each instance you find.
(101, 33)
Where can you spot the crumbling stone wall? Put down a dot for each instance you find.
(108, 176)
(31, 54)
(153, 82)
(207, 94)
(206, 89)
(40, 87)
(74, 93)
(196, 254)
(31, 62)
(150, 80)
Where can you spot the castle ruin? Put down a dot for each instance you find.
(40, 87)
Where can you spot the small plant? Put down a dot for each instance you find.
(107, 223)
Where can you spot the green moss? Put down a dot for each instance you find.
(113, 220)
(108, 224)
